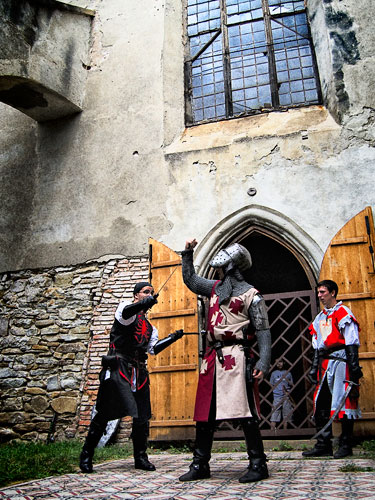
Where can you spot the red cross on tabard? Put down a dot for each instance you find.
(228, 335)
(236, 306)
(229, 362)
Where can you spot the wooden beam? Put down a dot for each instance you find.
(171, 423)
(368, 415)
(349, 241)
(173, 368)
(366, 355)
(356, 296)
(171, 314)
(166, 263)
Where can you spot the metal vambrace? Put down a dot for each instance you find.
(167, 341)
(136, 307)
(264, 345)
(352, 359)
(259, 320)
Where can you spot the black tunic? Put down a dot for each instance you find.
(118, 394)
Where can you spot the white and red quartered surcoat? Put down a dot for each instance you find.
(226, 322)
(333, 329)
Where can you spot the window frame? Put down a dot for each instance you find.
(267, 18)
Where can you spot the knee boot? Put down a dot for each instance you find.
(139, 437)
(257, 469)
(345, 440)
(96, 430)
(200, 469)
(323, 445)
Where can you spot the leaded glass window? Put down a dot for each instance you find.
(248, 56)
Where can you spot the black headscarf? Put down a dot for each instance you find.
(138, 287)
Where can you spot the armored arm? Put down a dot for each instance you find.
(143, 305)
(259, 320)
(195, 283)
(163, 343)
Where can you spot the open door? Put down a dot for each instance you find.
(349, 260)
(173, 372)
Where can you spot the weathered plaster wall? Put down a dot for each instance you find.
(44, 48)
(126, 169)
(98, 182)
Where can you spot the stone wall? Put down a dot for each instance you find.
(54, 327)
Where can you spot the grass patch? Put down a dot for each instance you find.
(369, 448)
(26, 461)
(351, 467)
(174, 450)
(283, 446)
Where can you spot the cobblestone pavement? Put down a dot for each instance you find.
(291, 477)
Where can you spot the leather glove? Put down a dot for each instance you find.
(142, 305)
(176, 335)
(312, 375)
(354, 392)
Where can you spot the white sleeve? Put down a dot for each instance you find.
(118, 314)
(154, 338)
(351, 333)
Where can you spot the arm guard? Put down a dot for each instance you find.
(163, 343)
(259, 320)
(313, 373)
(142, 305)
(195, 283)
(264, 345)
(355, 371)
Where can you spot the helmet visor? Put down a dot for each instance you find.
(221, 259)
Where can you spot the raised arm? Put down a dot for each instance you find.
(195, 283)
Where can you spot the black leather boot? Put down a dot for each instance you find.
(323, 445)
(345, 441)
(139, 436)
(200, 468)
(94, 434)
(257, 469)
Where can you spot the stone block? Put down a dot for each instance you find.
(64, 405)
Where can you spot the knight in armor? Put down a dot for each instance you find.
(124, 381)
(229, 374)
(335, 371)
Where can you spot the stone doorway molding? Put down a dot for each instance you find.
(266, 221)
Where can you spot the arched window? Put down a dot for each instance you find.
(246, 57)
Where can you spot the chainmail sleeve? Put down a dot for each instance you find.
(259, 320)
(195, 283)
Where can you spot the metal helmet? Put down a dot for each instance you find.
(235, 253)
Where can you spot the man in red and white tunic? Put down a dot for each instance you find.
(335, 340)
(227, 387)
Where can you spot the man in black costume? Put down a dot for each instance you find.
(124, 382)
